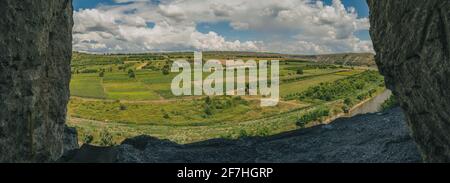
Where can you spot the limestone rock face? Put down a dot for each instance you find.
(35, 53)
(412, 41)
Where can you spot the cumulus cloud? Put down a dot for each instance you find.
(128, 1)
(312, 26)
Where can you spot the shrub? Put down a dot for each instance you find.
(243, 133)
(389, 103)
(300, 123)
(131, 73)
(166, 116)
(87, 139)
(123, 107)
(166, 69)
(299, 71)
(346, 109)
(87, 71)
(313, 116)
(348, 101)
(262, 132)
(106, 139)
(363, 96)
(208, 100)
(372, 91)
(208, 110)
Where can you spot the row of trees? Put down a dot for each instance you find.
(342, 88)
(132, 74)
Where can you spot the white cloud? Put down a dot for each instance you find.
(128, 1)
(313, 26)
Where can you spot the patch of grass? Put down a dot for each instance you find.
(87, 85)
(182, 113)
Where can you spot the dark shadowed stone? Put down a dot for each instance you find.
(70, 139)
(412, 41)
(35, 53)
(141, 142)
(88, 153)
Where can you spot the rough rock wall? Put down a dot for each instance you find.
(35, 53)
(412, 41)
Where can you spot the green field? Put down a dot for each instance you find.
(106, 99)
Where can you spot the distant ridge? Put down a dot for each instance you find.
(350, 59)
(347, 59)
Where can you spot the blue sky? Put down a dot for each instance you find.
(102, 25)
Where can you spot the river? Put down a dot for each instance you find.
(371, 106)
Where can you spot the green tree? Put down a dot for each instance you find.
(299, 71)
(208, 100)
(131, 73)
(101, 74)
(208, 110)
(166, 69)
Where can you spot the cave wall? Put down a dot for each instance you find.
(412, 42)
(35, 54)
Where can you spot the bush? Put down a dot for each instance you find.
(346, 109)
(243, 133)
(313, 116)
(101, 74)
(87, 139)
(300, 71)
(208, 100)
(363, 96)
(262, 132)
(123, 107)
(106, 139)
(300, 123)
(208, 110)
(348, 101)
(166, 116)
(372, 91)
(389, 103)
(131, 73)
(87, 71)
(166, 70)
